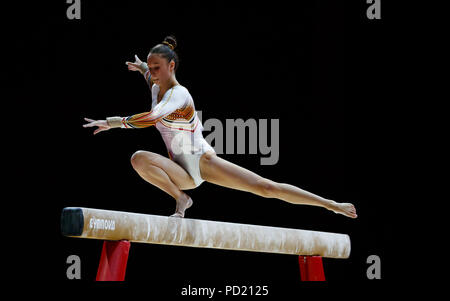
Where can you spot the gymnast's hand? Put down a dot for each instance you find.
(102, 125)
(138, 65)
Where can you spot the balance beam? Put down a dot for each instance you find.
(154, 229)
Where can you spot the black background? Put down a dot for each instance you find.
(320, 67)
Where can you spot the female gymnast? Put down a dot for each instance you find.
(192, 160)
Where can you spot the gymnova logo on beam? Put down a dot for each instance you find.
(102, 224)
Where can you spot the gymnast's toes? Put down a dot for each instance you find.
(177, 214)
(346, 209)
(349, 210)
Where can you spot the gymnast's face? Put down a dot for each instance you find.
(160, 69)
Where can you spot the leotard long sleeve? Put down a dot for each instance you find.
(173, 101)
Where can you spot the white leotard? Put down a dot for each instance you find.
(181, 129)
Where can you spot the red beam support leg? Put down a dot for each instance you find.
(311, 268)
(113, 261)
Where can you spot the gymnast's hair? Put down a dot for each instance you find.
(166, 50)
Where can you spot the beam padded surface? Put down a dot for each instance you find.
(143, 228)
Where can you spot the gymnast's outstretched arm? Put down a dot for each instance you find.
(171, 101)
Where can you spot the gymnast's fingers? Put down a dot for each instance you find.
(98, 130)
(132, 66)
(89, 120)
(89, 125)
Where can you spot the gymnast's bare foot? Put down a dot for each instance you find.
(346, 209)
(183, 203)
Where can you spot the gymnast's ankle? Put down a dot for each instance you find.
(183, 203)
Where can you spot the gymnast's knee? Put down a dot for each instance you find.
(140, 159)
(267, 188)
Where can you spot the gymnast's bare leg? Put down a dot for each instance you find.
(166, 175)
(216, 170)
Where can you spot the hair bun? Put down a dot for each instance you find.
(170, 41)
